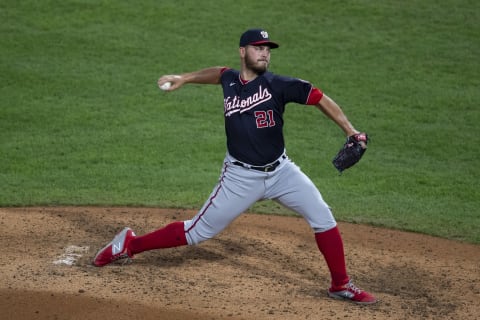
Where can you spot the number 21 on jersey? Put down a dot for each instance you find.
(264, 118)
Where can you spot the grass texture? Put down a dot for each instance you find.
(83, 122)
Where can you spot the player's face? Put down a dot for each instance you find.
(257, 58)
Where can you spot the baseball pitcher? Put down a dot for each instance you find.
(256, 165)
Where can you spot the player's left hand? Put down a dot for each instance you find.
(351, 152)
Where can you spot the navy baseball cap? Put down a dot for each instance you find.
(256, 37)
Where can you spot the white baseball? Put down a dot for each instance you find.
(166, 86)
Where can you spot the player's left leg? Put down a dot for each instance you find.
(289, 186)
(292, 188)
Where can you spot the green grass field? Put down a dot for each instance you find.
(83, 122)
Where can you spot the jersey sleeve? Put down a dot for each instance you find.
(299, 91)
(314, 97)
(227, 75)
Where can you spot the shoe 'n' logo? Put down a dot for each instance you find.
(117, 248)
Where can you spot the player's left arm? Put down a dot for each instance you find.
(332, 110)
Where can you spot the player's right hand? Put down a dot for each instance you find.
(176, 81)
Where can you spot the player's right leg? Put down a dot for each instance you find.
(238, 188)
(117, 249)
(235, 192)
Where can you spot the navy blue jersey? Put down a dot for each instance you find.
(254, 113)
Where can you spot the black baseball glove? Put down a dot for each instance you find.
(351, 152)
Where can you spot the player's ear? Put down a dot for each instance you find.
(242, 51)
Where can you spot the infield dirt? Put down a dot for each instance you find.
(261, 267)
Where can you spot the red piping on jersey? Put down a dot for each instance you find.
(314, 96)
(210, 201)
(244, 82)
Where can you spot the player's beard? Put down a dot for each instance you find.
(256, 66)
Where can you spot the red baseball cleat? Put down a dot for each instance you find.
(116, 249)
(350, 292)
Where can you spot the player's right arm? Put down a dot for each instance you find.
(205, 76)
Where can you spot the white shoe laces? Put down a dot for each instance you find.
(351, 287)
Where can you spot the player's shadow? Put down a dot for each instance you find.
(213, 250)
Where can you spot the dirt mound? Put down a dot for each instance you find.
(261, 267)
